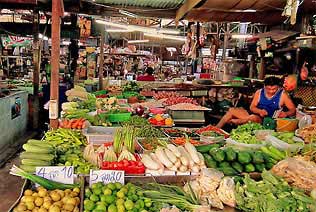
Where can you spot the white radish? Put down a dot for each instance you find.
(183, 168)
(192, 151)
(163, 157)
(171, 156)
(201, 158)
(154, 158)
(195, 169)
(149, 163)
(184, 156)
(174, 168)
(177, 163)
(174, 150)
(184, 151)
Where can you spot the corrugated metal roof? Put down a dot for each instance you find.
(161, 4)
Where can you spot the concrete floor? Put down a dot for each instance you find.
(10, 186)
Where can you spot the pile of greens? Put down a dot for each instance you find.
(137, 121)
(245, 133)
(131, 86)
(150, 132)
(271, 194)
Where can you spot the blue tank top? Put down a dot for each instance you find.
(270, 104)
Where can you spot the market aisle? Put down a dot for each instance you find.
(10, 186)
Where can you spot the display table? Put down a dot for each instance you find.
(13, 117)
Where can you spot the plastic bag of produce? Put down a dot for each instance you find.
(231, 142)
(277, 143)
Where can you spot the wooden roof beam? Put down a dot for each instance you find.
(185, 8)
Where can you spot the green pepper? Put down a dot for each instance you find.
(269, 166)
(209, 161)
(244, 157)
(250, 168)
(237, 166)
(260, 167)
(231, 155)
(258, 157)
(229, 171)
(218, 154)
(224, 165)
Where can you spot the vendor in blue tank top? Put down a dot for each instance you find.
(266, 102)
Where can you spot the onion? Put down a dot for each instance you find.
(140, 110)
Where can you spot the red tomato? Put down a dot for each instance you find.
(161, 123)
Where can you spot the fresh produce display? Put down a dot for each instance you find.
(182, 140)
(125, 136)
(271, 194)
(211, 187)
(187, 106)
(172, 195)
(55, 200)
(285, 136)
(165, 95)
(77, 114)
(107, 104)
(36, 153)
(116, 197)
(89, 103)
(177, 100)
(131, 86)
(233, 162)
(137, 121)
(245, 133)
(63, 139)
(297, 172)
(73, 123)
(274, 153)
(152, 143)
(181, 159)
(211, 128)
(128, 166)
(150, 132)
(161, 120)
(74, 157)
(77, 93)
(308, 133)
(181, 133)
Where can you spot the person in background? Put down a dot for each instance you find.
(266, 102)
(148, 76)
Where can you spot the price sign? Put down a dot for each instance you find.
(61, 174)
(106, 176)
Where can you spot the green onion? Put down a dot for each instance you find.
(48, 184)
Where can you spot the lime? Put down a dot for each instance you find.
(134, 197)
(97, 191)
(111, 186)
(143, 210)
(101, 207)
(124, 189)
(120, 202)
(94, 198)
(103, 198)
(140, 193)
(87, 192)
(88, 205)
(112, 208)
(129, 204)
(109, 199)
(107, 191)
(120, 208)
(95, 185)
(118, 185)
(120, 194)
(140, 203)
(99, 184)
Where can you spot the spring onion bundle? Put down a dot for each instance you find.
(48, 184)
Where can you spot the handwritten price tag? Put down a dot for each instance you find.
(61, 174)
(106, 176)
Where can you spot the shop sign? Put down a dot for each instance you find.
(15, 107)
(15, 41)
(61, 174)
(106, 176)
(85, 26)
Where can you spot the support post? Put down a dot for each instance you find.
(36, 71)
(226, 37)
(262, 69)
(101, 65)
(57, 10)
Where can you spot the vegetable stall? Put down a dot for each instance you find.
(111, 155)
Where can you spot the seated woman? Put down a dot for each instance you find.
(148, 76)
(266, 102)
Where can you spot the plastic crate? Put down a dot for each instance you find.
(97, 135)
(187, 114)
(119, 117)
(199, 93)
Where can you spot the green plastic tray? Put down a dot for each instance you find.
(119, 117)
